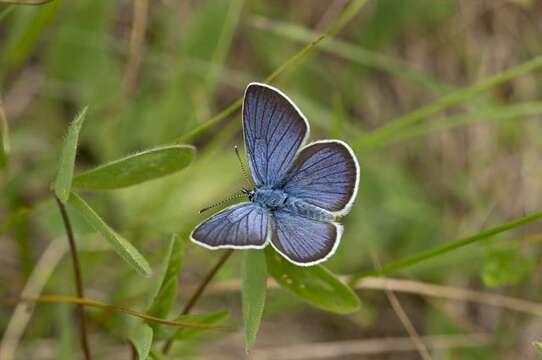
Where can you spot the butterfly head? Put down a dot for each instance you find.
(249, 193)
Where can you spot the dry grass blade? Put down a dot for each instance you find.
(452, 293)
(340, 349)
(403, 317)
(137, 42)
(424, 289)
(37, 280)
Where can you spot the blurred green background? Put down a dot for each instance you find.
(152, 71)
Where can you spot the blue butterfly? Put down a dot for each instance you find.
(300, 190)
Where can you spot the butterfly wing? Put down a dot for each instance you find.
(274, 130)
(240, 226)
(324, 174)
(304, 241)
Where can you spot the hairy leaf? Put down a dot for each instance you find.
(122, 247)
(137, 168)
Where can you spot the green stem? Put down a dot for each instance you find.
(444, 248)
(199, 291)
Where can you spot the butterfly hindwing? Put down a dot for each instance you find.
(244, 225)
(304, 241)
(274, 130)
(324, 174)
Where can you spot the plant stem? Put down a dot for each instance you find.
(78, 280)
(199, 291)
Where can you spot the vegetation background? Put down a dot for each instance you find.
(152, 71)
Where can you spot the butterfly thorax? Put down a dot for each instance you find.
(269, 198)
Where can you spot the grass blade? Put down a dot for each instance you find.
(353, 53)
(351, 10)
(453, 98)
(137, 168)
(315, 285)
(224, 43)
(496, 114)
(121, 246)
(63, 181)
(6, 11)
(445, 248)
(253, 289)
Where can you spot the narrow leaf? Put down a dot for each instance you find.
(123, 248)
(4, 137)
(253, 287)
(316, 285)
(137, 168)
(164, 298)
(63, 180)
(142, 339)
(444, 248)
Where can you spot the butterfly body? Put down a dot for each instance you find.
(269, 198)
(300, 190)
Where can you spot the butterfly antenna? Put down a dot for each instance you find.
(243, 169)
(231, 197)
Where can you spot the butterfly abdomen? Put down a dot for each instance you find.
(310, 211)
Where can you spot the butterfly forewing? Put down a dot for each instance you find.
(244, 225)
(324, 174)
(274, 131)
(304, 241)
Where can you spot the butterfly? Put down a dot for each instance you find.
(300, 190)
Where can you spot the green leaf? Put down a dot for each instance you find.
(137, 168)
(538, 346)
(156, 355)
(63, 181)
(123, 248)
(142, 339)
(168, 281)
(315, 284)
(253, 287)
